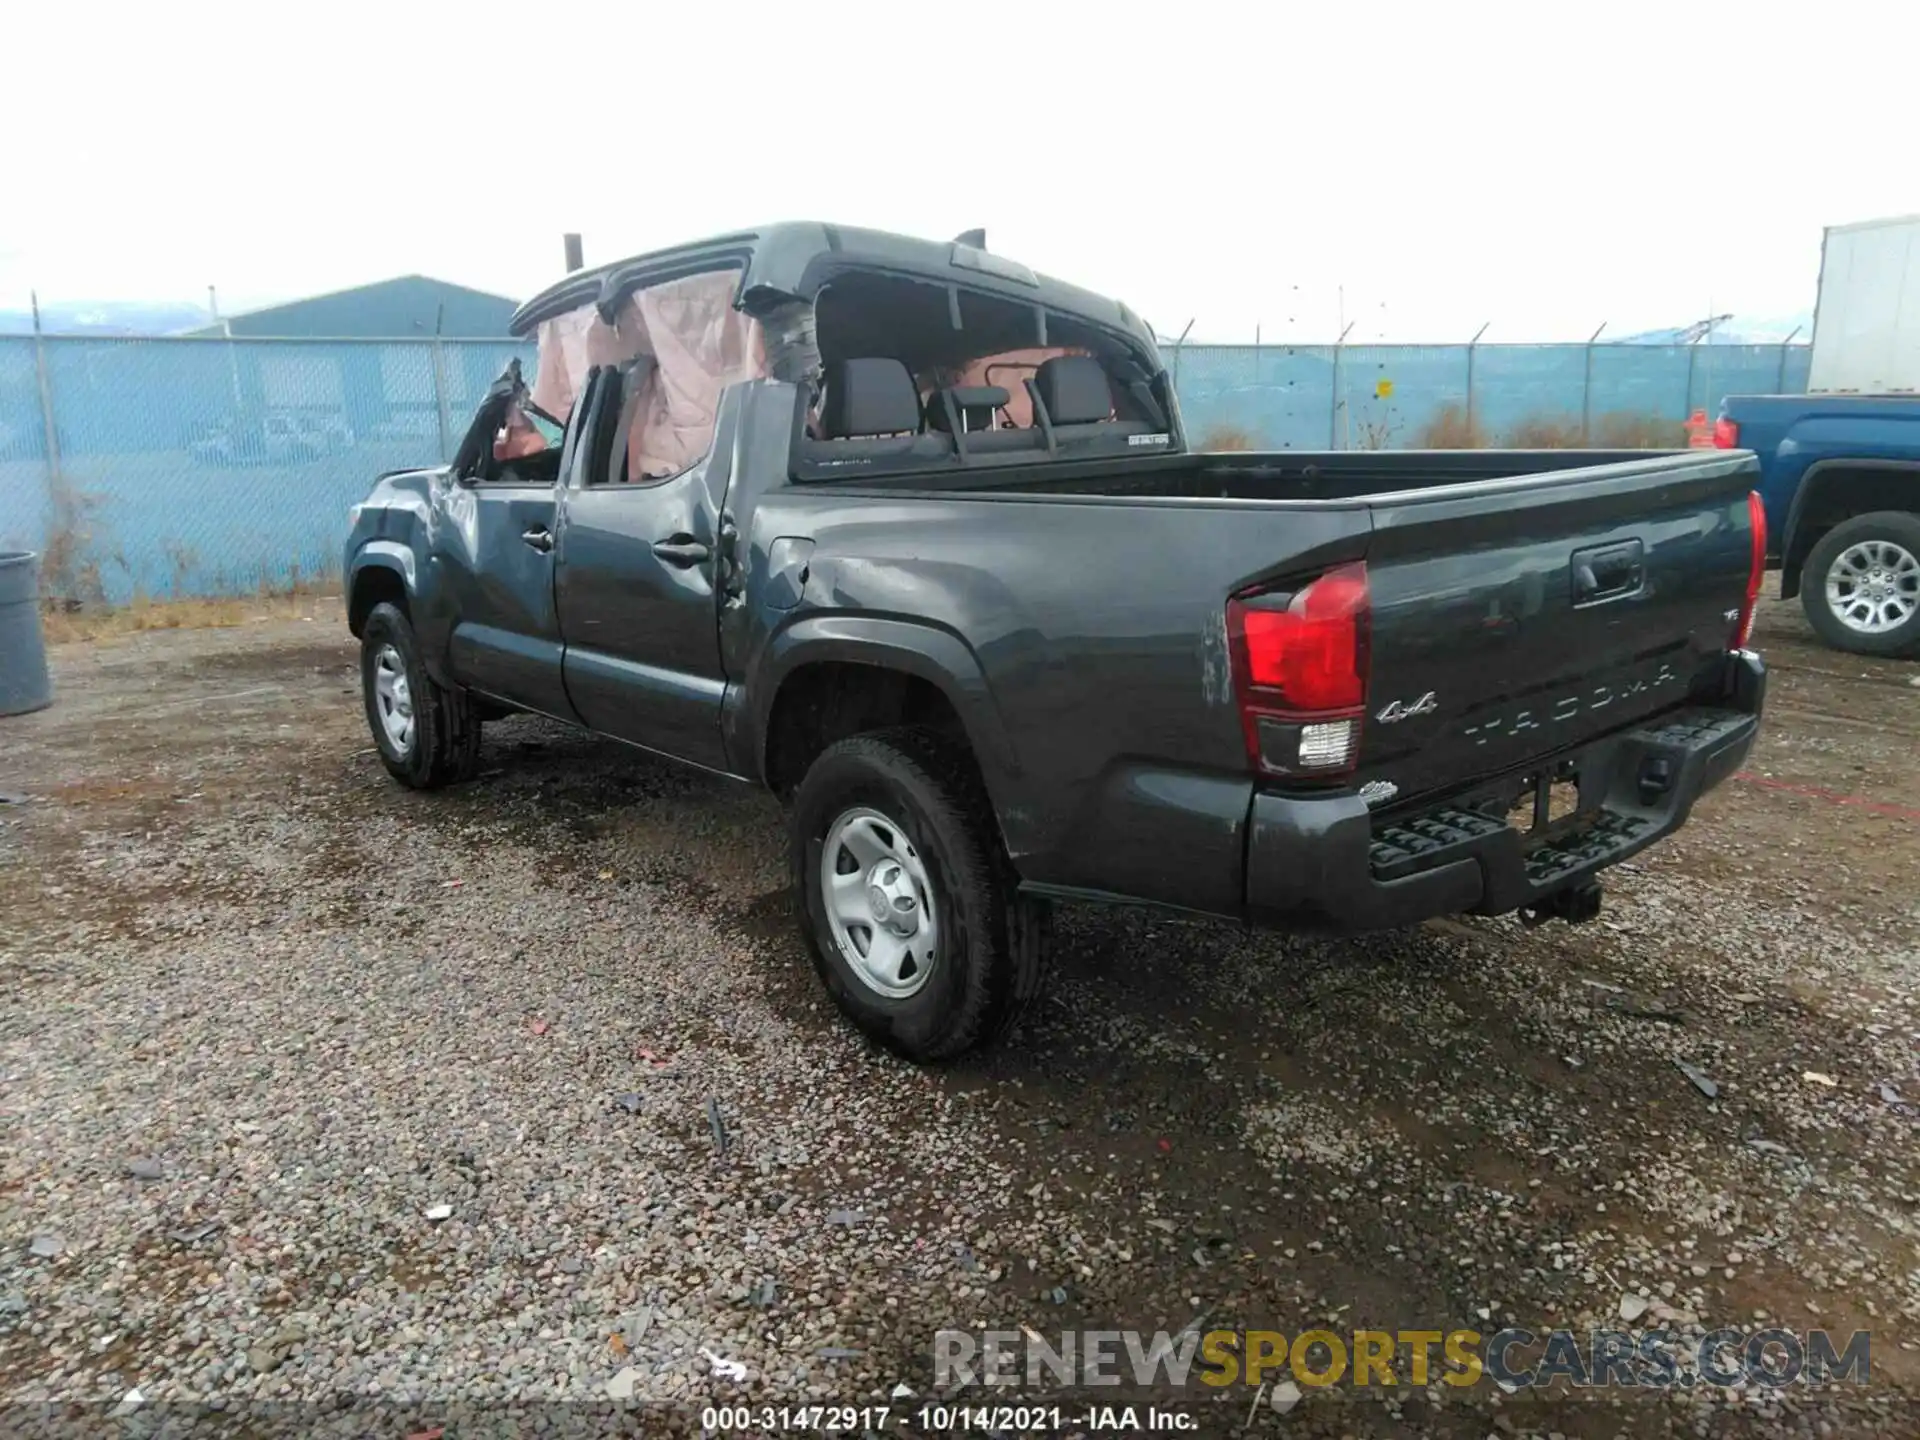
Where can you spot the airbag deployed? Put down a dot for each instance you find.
(695, 344)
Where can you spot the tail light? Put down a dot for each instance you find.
(1726, 434)
(1300, 662)
(1756, 570)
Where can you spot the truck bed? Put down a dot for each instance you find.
(1474, 559)
(1521, 605)
(1291, 475)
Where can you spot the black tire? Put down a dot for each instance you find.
(444, 746)
(990, 945)
(1891, 527)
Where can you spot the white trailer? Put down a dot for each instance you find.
(1866, 322)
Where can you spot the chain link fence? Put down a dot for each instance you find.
(1378, 397)
(176, 466)
(167, 467)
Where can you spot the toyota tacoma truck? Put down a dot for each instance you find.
(912, 536)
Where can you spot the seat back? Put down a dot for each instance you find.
(1074, 394)
(866, 398)
(975, 406)
(1074, 389)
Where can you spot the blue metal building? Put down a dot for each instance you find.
(409, 307)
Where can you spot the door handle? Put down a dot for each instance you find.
(681, 551)
(1608, 572)
(541, 540)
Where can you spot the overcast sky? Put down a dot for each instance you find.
(1417, 169)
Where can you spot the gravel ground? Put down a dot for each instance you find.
(318, 1089)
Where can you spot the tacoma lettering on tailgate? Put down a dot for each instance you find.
(1545, 713)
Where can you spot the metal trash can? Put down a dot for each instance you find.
(24, 684)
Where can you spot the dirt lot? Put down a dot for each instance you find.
(265, 1013)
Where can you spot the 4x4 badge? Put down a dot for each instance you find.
(1398, 710)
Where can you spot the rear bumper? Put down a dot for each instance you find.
(1330, 863)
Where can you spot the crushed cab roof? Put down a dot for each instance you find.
(796, 258)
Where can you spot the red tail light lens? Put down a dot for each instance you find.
(1311, 654)
(1726, 434)
(1756, 570)
(1300, 666)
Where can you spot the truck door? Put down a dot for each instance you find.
(637, 592)
(493, 543)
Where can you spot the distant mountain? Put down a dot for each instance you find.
(1740, 330)
(109, 317)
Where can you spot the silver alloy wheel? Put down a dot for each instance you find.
(393, 698)
(879, 903)
(1873, 586)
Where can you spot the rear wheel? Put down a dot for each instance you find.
(1861, 584)
(427, 735)
(906, 899)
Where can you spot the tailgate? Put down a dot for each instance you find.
(1514, 619)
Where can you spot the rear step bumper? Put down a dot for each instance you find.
(1329, 863)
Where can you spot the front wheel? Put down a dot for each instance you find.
(427, 735)
(1861, 584)
(906, 899)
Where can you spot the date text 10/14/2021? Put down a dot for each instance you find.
(939, 1418)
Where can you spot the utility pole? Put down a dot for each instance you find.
(576, 257)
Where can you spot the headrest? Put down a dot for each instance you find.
(975, 403)
(1074, 390)
(869, 397)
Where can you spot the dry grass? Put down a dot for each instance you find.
(1452, 428)
(1374, 432)
(1623, 430)
(71, 627)
(1228, 437)
(68, 571)
(1546, 432)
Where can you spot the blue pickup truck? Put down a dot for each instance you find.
(1840, 479)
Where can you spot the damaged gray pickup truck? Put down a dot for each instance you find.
(912, 536)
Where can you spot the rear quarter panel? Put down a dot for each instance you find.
(1095, 634)
(1764, 421)
(1794, 434)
